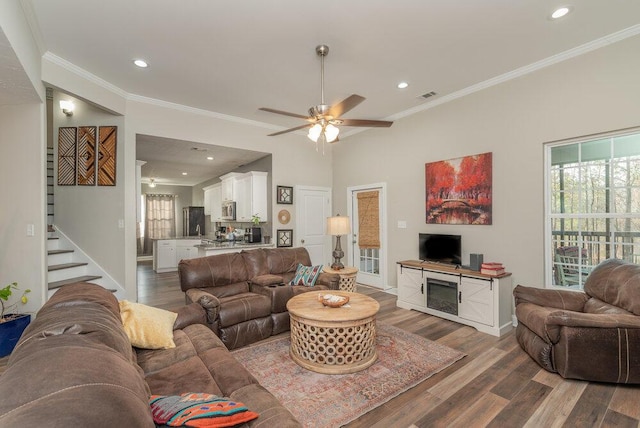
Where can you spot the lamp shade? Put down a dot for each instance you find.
(338, 226)
(314, 132)
(331, 132)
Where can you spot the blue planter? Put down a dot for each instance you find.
(10, 332)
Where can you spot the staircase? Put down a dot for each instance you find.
(66, 262)
(63, 269)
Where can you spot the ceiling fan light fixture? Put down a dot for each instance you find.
(314, 132)
(331, 133)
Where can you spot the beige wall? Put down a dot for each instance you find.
(90, 215)
(596, 92)
(22, 161)
(22, 192)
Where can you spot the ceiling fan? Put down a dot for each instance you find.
(323, 120)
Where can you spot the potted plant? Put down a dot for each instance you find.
(255, 219)
(11, 324)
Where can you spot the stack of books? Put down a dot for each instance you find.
(492, 268)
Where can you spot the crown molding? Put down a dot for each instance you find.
(34, 27)
(84, 74)
(201, 112)
(527, 69)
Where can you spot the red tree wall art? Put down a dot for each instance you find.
(458, 191)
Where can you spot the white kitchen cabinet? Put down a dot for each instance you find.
(251, 193)
(164, 255)
(186, 249)
(207, 200)
(227, 182)
(215, 195)
(242, 192)
(248, 191)
(213, 201)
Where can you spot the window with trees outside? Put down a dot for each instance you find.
(593, 206)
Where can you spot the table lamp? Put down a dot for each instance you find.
(338, 226)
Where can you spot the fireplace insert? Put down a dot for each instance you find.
(442, 295)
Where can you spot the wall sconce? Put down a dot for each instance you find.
(152, 183)
(67, 107)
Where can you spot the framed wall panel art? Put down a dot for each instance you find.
(284, 195)
(67, 156)
(107, 155)
(86, 156)
(285, 238)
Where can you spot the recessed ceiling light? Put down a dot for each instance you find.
(141, 63)
(184, 173)
(209, 157)
(560, 12)
(403, 85)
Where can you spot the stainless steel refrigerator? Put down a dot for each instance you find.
(193, 221)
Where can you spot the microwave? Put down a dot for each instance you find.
(228, 210)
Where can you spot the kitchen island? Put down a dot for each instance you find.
(167, 253)
(210, 248)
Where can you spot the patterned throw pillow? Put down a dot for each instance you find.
(198, 410)
(306, 275)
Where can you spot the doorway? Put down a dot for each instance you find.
(313, 206)
(367, 209)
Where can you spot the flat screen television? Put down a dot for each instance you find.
(440, 248)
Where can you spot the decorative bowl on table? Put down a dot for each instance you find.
(333, 300)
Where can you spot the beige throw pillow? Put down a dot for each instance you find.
(147, 327)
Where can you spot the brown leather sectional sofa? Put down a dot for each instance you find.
(75, 366)
(591, 335)
(245, 294)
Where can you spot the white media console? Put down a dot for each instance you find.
(461, 295)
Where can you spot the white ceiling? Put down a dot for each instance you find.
(166, 159)
(232, 57)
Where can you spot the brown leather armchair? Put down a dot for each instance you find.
(592, 335)
(220, 284)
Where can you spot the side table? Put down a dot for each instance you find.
(347, 277)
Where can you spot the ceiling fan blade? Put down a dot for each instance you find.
(366, 123)
(345, 105)
(286, 113)
(306, 125)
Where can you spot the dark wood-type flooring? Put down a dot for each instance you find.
(495, 385)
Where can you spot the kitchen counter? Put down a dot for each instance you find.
(214, 247)
(167, 252)
(229, 244)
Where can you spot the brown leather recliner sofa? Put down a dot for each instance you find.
(74, 366)
(245, 294)
(592, 335)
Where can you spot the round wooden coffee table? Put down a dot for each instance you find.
(333, 340)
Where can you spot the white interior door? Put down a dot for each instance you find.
(313, 206)
(371, 262)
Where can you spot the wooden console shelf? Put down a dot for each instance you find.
(457, 294)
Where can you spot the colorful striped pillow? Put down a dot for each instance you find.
(198, 410)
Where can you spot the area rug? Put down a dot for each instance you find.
(318, 400)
